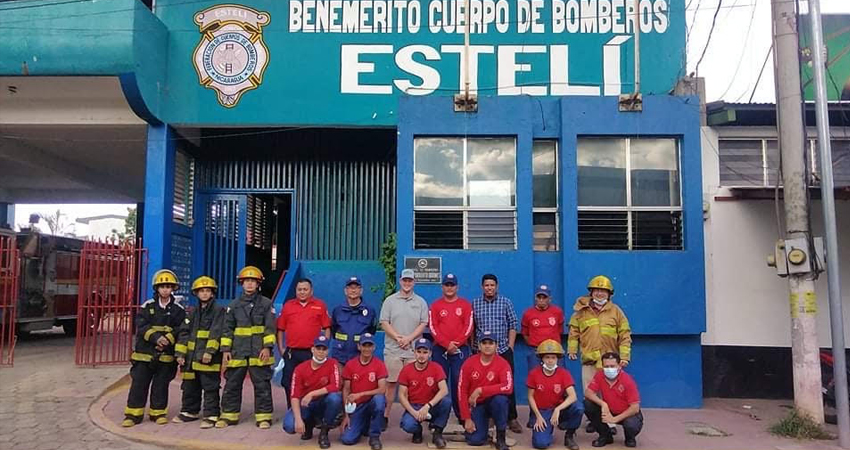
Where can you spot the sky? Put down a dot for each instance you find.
(738, 46)
(71, 212)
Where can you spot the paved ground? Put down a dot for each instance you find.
(48, 403)
(44, 399)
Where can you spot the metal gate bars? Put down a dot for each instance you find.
(10, 264)
(113, 278)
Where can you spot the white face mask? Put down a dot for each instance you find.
(611, 372)
(350, 408)
(600, 302)
(550, 368)
(319, 361)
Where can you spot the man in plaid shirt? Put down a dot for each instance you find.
(495, 314)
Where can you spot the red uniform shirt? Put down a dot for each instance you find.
(537, 325)
(422, 385)
(303, 323)
(549, 390)
(364, 377)
(493, 379)
(450, 321)
(619, 395)
(305, 379)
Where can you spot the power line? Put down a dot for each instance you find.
(743, 52)
(710, 33)
(763, 65)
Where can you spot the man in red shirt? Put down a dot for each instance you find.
(424, 395)
(540, 322)
(315, 395)
(450, 321)
(612, 398)
(552, 399)
(301, 320)
(484, 386)
(364, 386)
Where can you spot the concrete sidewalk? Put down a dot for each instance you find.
(745, 421)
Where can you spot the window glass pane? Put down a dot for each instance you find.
(544, 174)
(741, 163)
(601, 172)
(438, 176)
(545, 232)
(603, 230)
(655, 172)
(491, 172)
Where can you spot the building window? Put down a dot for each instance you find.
(756, 162)
(629, 195)
(464, 193)
(184, 189)
(544, 168)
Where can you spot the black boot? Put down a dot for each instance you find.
(570, 440)
(308, 431)
(417, 437)
(590, 428)
(603, 440)
(501, 444)
(375, 443)
(324, 441)
(437, 438)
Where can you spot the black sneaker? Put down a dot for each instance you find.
(417, 437)
(602, 441)
(307, 434)
(375, 443)
(631, 443)
(570, 440)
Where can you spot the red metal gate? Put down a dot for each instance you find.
(112, 280)
(9, 266)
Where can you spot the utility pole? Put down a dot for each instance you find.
(836, 316)
(804, 338)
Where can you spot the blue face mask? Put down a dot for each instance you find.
(611, 372)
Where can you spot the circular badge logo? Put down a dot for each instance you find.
(535, 323)
(371, 376)
(475, 375)
(365, 312)
(443, 313)
(230, 58)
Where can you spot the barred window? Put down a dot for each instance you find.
(464, 193)
(544, 170)
(629, 195)
(184, 189)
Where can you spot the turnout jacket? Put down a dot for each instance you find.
(599, 332)
(199, 334)
(152, 322)
(249, 327)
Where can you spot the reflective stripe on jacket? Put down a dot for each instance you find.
(199, 334)
(153, 322)
(599, 332)
(249, 327)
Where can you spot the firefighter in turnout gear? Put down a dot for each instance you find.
(153, 363)
(247, 345)
(197, 353)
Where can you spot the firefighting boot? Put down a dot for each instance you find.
(208, 422)
(375, 443)
(324, 440)
(570, 440)
(501, 443)
(184, 417)
(127, 423)
(437, 437)
(264, 425)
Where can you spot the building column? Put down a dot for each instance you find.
(159, 196)
(7, 215)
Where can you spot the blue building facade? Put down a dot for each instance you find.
(314, 144)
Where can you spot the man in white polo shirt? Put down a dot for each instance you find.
(404, 316)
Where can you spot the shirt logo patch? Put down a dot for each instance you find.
(356, 377)
(323, 381)
(490, 376)
(459, 312)
(371, 376)
(443, 313)
(540, 387)
(620, 389)
(535, 322)
(475, 375)
(557, 388)
(414, 383)
(365, 312)
(430, 381)
(552, 321)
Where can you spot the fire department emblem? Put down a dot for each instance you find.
(371, 376)
(552, 321)
(458, 311)
(490, 376)
(475, 375)
(231, 56)
(557, 388)
(430, 381)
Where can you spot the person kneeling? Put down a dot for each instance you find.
(484, 387)
(612, 398)
(552, 399)
(364, 386)
(424, 395)
(315, 395)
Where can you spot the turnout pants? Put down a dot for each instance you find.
(197, 384)
(231, 399)
(496, 408)
(149, 377)
(368, 418)
(569, 419)
(631, 426)
(439, 416)
(292, 357)
(324, 411)
(451, 366)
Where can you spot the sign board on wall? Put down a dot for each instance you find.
(836, 36)
(425, 269)
(345, 62)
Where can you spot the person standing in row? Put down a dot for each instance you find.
(350, 320)
(404, 316)
(247, 345)
(301, 320)
(153, 365)
(451, 324)
(495, 313)
(197, 352)
(541, 322)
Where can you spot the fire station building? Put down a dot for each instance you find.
(299, 136)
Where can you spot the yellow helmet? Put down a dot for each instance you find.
(601, 282)
(250, 272)
(164, 276)
(550, 347)
(204, 282)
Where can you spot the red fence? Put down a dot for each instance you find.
(9, 266)
(112, 280)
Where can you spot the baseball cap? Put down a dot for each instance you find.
(422, 343)
(353, 280)
(487, 336)
(321, 341)
(407, 273)
(367, 338)
(544, 290)
(449, 278)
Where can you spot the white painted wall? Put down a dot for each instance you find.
(746, 302)
(99, 229)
